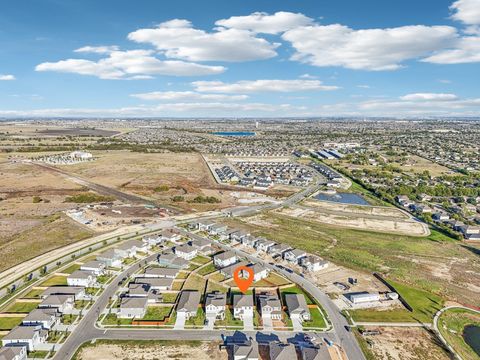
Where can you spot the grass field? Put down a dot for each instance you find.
(21, 307)
(72, 268)
(33, 294)
(200, 259)
(157, 312)
(211, 286)
(8, 323)
(272, 279)
(435, 263)
(54, 281)
(207, 269)
(169, 297)
(194, 282)
(111, 319)
(424, 304)
(182, 275)
(317, 320)
(452, 323)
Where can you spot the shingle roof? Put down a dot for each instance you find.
(188, 301)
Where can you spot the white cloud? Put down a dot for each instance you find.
(369, 49)
(97, 49)
(260, 22)
(131, 64)
(7, 77)
(363, 86)
(429, 97)
(466, 50)
(307, 76)
(178, 39)
(252, 86)
(466, 11)
(187, 96)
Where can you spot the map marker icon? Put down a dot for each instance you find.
(239, 277)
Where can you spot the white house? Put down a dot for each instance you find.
(217, 229)
(63, 303)
(297, 307)
(111, 258)
(29, 336)
(159, 284)
(225, 259)
(185, 251)
(95, 266)
(264, 244)
(81, 278)
(259, 272)
(215, 305)
(249, 241)
(171, 235)
(269, 306)
(132, 307)
(313, 263)
(77, 292)
(13, 353)
(294, 255)
(242, 306)
(187, 305)
(45, 318)
(154, 272)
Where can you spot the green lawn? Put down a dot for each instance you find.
(8, 323)
(424, 304)
(72, 268)
(111, 319)
(208, 269)
(182, 275)
(273, 279)
(33, 294)
(37, 354)
(54, 281)
(198, 320)
(157, 312)
(68, 319)
(229, 320)
(452, 323)
(103, 279)
(200, 259)
(194, 282)
(21, 307)
(317, 320)
(296, 290)
(169, 297)
(211, 286)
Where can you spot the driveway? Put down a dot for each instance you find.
(267, 323)
(210, 319)
(248, 322)
(180, 322)
(297, 324)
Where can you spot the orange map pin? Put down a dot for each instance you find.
(242, 282)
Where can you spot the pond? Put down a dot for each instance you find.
(234, 133)
(343, 198)
(471, 335)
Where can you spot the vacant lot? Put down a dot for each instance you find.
(405, 344)
(434, 263)
(152, 350)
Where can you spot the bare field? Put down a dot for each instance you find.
(357, 209)
(405, 344)
(202, 351)
(350, 219)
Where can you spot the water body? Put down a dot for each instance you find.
(471, 335)
(234, 133)
(343, 198)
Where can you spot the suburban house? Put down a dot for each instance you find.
(205, 226)
(95, 266)
(29, 336)
(207, 250)
(279, 351)
(200, 243)
(228, 271)
(45, 318)
(279, 249)
(130, 248)
(153, 240)
(186, 251)
(156, 283)
(313, 263)
(111, 258)
(249, 241)
(259, 272)
(245, 351)
(63, 303)
(172, 260)
(294, 255)
(132, 307)
(297, 306)
(13, 353)
(238, 235)
(264, 244)
(187, 305)
(225, 259)
(154, 272)
(215, 305)
(315, 353)
(77, 292)
(269, 306)
(217, 229)
(81, 278)
(242, 306)
(170, 235)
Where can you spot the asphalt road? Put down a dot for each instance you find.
(342, 335)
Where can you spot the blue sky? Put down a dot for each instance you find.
(239, 58)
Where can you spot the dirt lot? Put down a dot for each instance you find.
(405, 344)
(204, 351)
(348, 217)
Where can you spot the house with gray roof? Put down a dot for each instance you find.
(186, 251)
(294, 255)
(297, 306)
(172, 260)
(111, 258)
(95, 266)
(82, 278)
(29, 336)
(215, 305)
(242, 306)
(313, 263)
(45, 318)
(13, 353)
(315, 353)
(230, 270)
(77, 292)
(132, 307)
(158, 284)
(62, 303)
(225, 259)
(155, 272)
(245, 351)
(269, 306)
(281, 351)
(188, 302)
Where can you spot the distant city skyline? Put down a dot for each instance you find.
(239, 59)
